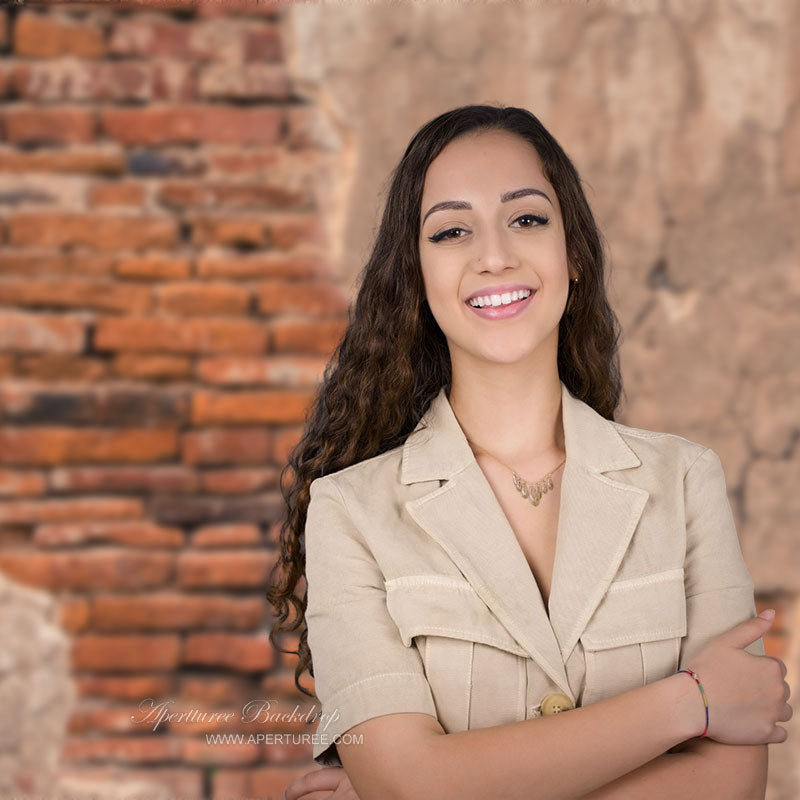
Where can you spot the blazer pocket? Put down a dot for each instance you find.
(475, 668)
(634, 636)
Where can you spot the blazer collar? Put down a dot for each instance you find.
(597, 517)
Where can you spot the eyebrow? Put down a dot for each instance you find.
(459, 205)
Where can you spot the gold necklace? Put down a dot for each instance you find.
(530, 491)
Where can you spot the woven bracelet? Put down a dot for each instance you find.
(696, 677)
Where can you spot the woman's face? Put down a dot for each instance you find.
(492, 245)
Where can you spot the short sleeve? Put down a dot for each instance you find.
(719, 589)
(362, 669)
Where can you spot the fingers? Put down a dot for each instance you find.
(320, 780)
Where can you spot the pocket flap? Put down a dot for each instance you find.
(640, 609)
(437, 605)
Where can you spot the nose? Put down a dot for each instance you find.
(494, 252)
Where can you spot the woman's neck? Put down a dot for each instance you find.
(519, 424)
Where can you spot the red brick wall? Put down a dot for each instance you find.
(165, 313)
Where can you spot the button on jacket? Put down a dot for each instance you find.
(420, 597)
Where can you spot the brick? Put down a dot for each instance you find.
(184, 335)
(227, 536)
(25, 402)
(43, 126)
(137, 533)
(192, 124)
(269, 406)
(314, 299)
(177, 782)
(176, 611)
(53, 445)
(226, 446)
(49, 36)
(248, 8)
(169, 478)
(109, 82)
(154, 36)
(125, 653)
(57, 509)
(152, 367)
(61, 368)
(123, 749)
(290, 371)
(149, 267)
(263, 43)
(87, 718)
(224, 569)
(18, 483)
(88, 570)
(129, 687)
(291, 230)
(198, 751)
(261, 162)
(230, 651)
(102, 232)
(40, 333)
(215, 690)
(284, 441)
(308, 336)
(203, 299)
(116, 194)
(231, 195)
(73, 614)
(198, 509)
(238, 481)
(100, 295)
(78, 159)
(240, 231)
(282, 682)
(297, 265)
(51, 264)
(266, 82)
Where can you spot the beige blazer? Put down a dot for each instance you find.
(421, 599)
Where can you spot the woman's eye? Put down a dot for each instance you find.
(540, 219)
(444, 235)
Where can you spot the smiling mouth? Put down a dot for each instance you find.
(499, 300)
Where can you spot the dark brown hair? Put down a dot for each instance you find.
(393, 357)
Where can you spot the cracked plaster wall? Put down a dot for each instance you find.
(683, 117)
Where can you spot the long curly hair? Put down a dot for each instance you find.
(393, 358)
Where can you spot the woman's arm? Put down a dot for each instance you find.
(556, 757)
(703, 769)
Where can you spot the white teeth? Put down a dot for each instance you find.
(499, 299)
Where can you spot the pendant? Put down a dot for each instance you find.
(533, 492)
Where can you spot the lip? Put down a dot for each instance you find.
(498, 288)
(503, 312)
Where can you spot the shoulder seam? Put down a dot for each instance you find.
(699, 456)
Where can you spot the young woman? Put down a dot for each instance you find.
(484, 547)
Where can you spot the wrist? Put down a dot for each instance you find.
(688, 718)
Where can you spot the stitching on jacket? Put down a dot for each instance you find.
(373, 678)
(647, 580)
(664, 633)
(458, 584)
(426, 629)
(700, 455)
(722, 589)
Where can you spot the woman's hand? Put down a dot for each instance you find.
(327, 779)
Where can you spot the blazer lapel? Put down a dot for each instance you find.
(597, 518)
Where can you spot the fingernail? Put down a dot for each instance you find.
(769, 613)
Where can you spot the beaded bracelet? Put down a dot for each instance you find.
(694, 675)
